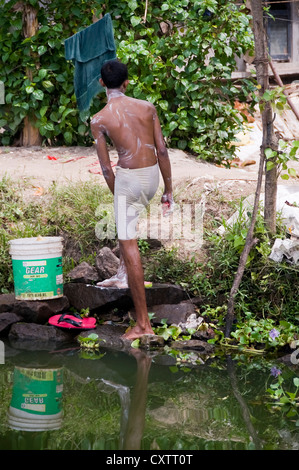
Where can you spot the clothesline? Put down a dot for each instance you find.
(281, 19)
(274, 3)
(283, 1)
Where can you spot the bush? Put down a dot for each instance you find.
(180, 57)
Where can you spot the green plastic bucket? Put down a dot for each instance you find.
(36, 403)
(37, 267)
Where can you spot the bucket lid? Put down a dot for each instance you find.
(36, 245)
(35, 240)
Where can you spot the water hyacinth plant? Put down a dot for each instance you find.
(91, 341)
(282, 399)
(258, 335)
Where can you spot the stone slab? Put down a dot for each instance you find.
(7, 319)
(36, 311)
(34, 337)
(81, 296)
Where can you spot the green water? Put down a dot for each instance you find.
(117, 401)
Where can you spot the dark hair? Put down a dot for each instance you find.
(114, 73)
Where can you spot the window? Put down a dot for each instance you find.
(279, 31)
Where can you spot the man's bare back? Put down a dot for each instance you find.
(130, 125)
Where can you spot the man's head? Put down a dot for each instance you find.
(114, 73)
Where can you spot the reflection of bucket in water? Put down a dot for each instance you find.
(37, 267)
(36, 403)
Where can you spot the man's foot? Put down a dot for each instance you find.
(114, 281)
(136, 332)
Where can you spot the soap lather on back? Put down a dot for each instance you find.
(129, 124)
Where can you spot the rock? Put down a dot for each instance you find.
(84, 295)
(93, 297)
(36, 311)
(157, 294)
(194, 344)
(204, 335)
(197, 301)
(84, 273)
(165, 360)
(7, 319)
(106, 263)
(173, 313)
(110, 336)
(191, 323)
(151, 341)
(6, 302)
(32, 336)
(116, 251)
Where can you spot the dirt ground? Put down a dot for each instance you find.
(40, 167)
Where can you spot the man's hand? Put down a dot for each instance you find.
(167, 203)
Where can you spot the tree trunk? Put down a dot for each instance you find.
(30, 135)
(244, 408)
(269, 139)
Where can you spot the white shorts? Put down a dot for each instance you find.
(133, 190)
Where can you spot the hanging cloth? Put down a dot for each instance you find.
(89, 49)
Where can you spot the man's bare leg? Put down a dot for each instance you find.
(120, 279)
(130, 252)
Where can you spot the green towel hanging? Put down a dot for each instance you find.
(89, 49)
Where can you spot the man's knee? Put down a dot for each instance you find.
(129, 248)
(128, 244)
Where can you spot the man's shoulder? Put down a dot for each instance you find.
(143, 103)
(98, 117)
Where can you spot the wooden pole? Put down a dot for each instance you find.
(279, 82)
(30, 134)
(269, 139)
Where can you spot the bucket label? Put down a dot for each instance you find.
(37, 391)
(38, 279)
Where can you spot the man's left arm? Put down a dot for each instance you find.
(103, 155)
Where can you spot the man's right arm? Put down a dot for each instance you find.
(103, 154)
(164, 162)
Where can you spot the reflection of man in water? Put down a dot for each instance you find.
(136, 417)
(134, 128)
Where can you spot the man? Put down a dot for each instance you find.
(134, 128)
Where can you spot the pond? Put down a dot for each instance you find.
(115, 401)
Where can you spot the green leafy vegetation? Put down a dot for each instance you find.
(180, 55)
(283, 393)
(282, 158)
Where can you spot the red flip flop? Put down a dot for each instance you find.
(73, 321)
